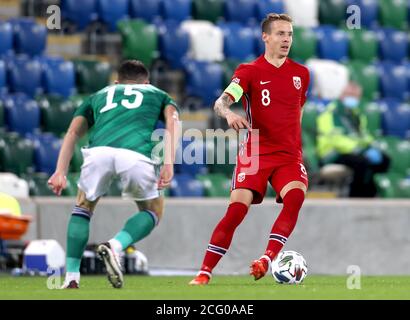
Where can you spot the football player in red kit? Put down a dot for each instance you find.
(273, 90)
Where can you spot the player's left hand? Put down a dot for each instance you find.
(165, 176)
(57, 182)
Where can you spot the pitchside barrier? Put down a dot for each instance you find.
(333, 235)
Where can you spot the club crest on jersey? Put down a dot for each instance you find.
(297, 82)
(241, 176)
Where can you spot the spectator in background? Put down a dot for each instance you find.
(343, 138)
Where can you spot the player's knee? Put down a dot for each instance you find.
(294, 198)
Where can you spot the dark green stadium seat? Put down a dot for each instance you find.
(209, 10)
(1, 114)
(91, 75)
(310, 114)
(332, 12)
(16, 154)
(311, 159)
(229, 156)
(228, 68)
(365, 75)
(216, 185)
(373, 114)
(304, 44)
(56, 114)
(399, 152)
(392, 185)
(139, 40)
(115, 189)
(362, 45)
(37, 183)
(71, 188)
(393, 13)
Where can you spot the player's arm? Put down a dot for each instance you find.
(221, 108)
(172, 126)
(77, 129)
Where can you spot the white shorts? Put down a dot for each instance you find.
(137, 173)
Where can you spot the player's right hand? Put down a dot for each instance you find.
(237, 122)
(57, 182)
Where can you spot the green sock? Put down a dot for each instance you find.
(136, 228)
(77, 238)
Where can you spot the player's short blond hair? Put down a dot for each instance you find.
(271, 17)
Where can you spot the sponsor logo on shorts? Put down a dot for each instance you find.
(241, 176)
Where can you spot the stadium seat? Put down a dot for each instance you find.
(148, 10)
(47, 147)
(38, 184)
(333, 43)
(191, 158)
(390, 38)
(304, 44)
(3, 83)
(363, 45)
(25, 76)
(205, 39)
(392, 185)
(399, 152)
(13, 147)
(310, 113)
(6, 38)
(369, 10)
(239, 42)
(263, 7)
(184, 185)
(216, 185)
(228, 69)
(179, 10)
(139, 41)
(91, 75)
(367, 76)
(71, 188)
(22, 114)
(81, 15)
(332, 12)
(393, 80)
(56, 114)
(111, 12)
(59, 77)
(204, 80)
(222, 155)
(310, 157)
(173, 44)
(304, 13)
(29, 37)
(239, 10)
(210, 10)
(395, 118)
(373, 114)
(1, 116)
(393, 13)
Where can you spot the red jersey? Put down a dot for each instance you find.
(273, 98)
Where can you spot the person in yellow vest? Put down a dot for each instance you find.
(343, 138)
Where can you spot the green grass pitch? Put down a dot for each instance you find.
(221, 287)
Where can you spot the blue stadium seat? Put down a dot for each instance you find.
(112, 11)
(369, 11)
(395, 118)
(46, 151)
(204, 80)
(240, 10)
(239, 41)
(82, 15)
(263, 7)
(22, 114)
(191, 158)
(148, 10)
(59, 77)
(393, 44)
(29, 37)
(332, 43)
(393, 80)
(184, 185)
(25, 75)
(178, 10)
(258, 42)
(3, 83)
(173, 43)
(6, 38)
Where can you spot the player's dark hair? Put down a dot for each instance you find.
(132, 70)
(271, 17)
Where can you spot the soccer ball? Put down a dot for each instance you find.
(289, 267)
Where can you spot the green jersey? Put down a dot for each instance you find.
(124, 116)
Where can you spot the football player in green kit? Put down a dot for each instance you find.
(120, 120)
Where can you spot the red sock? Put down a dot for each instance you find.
(223, 234)
(285, 223)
